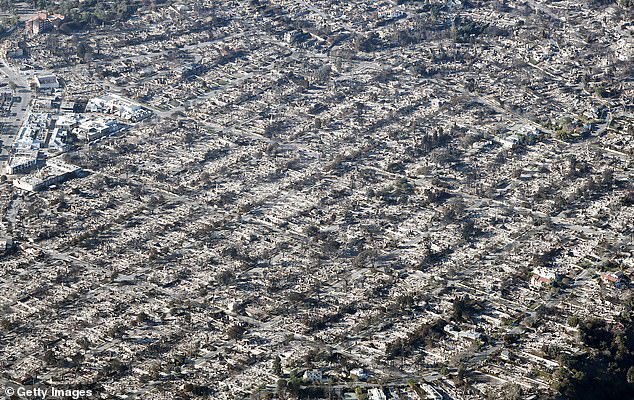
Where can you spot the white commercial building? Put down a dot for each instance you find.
(52, 173)
(21, 162)
(46, 82)
(376, 394)
(117, 105)
(96, 128)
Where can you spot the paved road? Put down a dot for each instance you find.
(21, 108)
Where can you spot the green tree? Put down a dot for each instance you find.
(281, 387)
(630, 375)
(277, 366)
(359, 392)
